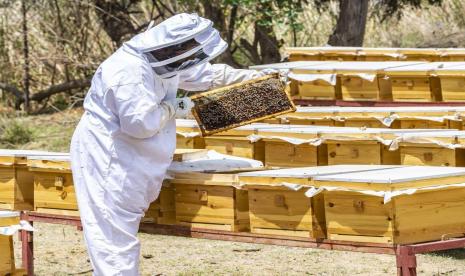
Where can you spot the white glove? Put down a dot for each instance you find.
(182, 107)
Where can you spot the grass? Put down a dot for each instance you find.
(51, 132)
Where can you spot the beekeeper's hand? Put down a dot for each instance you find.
(182, 107)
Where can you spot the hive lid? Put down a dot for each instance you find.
(311, 172)
(395, 175)
(25, 153)
(56, 157)
(212, 162)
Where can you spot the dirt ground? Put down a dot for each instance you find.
(59, 250)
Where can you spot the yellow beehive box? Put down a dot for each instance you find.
(53, 184)
(210, 201)
(413, 117)
(321, 53)
(16, 182)
(235, 141)
(414, 82)
(188, 135)
(433, 148)
(362, 81)
(452, 81)
(54, 187)
(364, 146)
(397, 205)
(162, 210)
(7, 258)
(237, 146)
(292, 146)
(295, 86)
(278, 204)
(207, 194)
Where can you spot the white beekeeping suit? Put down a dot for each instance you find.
(126, 138)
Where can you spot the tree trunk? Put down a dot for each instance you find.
(350, 27)
(26, 75)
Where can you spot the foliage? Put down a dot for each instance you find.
(14, 134)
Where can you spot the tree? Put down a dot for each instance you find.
(351, 22)
(350, 27)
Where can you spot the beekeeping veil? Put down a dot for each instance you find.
(179, 43)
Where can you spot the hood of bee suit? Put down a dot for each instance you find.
(174, 31)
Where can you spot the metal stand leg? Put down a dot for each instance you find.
(27, 247)
(406, 261)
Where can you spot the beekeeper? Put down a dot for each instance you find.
(126, 138)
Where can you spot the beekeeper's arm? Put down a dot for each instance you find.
(208, 76)
(141, 112)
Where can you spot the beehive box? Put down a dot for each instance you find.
(188, 135)
(452, 81)
(362, 81)
(54, 187)
(278, 205)
(413, 117)
(290, 146)
(7, 258)
(365, 146)
(210, 201)
(419, 215)
(416, 82)
(163, 209)
(16, 182)
(235, 142)
(53, 184)
(206, 195)
(433, 148)
(240, 104)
